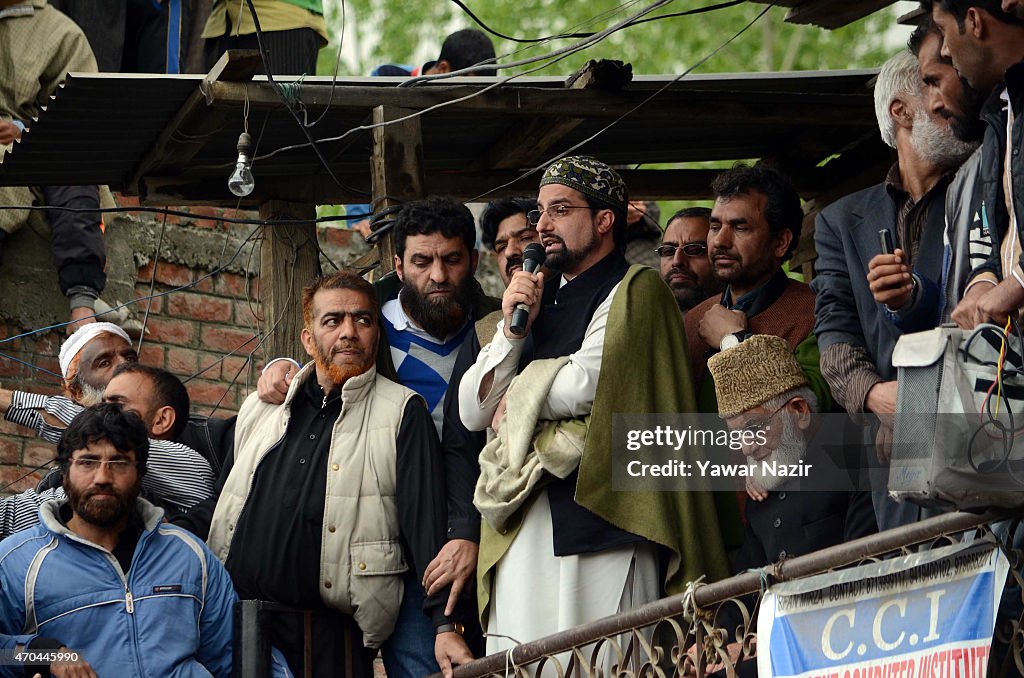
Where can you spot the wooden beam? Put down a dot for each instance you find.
(195, 122)
(834, 14)
(289, 259)
(527, 143)
(396, 168)
(695, 106)
(644, 184)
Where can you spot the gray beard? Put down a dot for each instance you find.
(937, 144)
(791, 450)
(89, 395)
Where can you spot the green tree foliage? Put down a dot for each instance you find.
(396, 31)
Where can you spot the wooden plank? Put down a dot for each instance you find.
(696, 107)
(396, 168)
(195, 122)
(289, 260)
(834, 14)
(644, 184)
(528, 142)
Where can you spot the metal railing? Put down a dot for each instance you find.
(683, 635)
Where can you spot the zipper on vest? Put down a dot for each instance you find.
(129, 602)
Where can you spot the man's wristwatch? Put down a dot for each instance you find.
(450, 628)
(733, 340)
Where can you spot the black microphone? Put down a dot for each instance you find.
(533, 257)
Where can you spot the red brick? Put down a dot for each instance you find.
(244, 315)
(181, 361)
(8, 428)
(227, 339)
(230, 285)
(204, 282)
(154, 304)
(203, 392)
(126, 200)
(39, 454)
(168, 331)
(199, 307)
(10, 369)
(201, 210)
(47, 362)
(11, 478)
(10, 451)
(173, 275)
(151, 353)
(336, 237)
(209, 364)
(235, 365)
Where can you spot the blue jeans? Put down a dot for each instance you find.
(409, 652)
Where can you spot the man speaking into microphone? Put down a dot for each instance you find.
(552, 524)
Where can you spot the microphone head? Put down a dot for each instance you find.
(533, 257)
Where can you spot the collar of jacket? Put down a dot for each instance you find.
(353, 390)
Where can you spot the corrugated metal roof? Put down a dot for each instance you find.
(100, 127)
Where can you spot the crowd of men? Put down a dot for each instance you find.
(435, 482)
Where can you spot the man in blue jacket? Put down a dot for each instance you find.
(102, 580)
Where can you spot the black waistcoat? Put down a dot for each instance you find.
(558, 331)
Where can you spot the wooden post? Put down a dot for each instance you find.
(289, 259)
(397, 169)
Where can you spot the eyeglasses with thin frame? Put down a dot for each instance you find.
(765, 424)
(553, 211)
(690, 249)
(115, 466)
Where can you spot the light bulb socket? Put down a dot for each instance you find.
(244, 143)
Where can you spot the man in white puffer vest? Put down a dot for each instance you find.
(335, 493)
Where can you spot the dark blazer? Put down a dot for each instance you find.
(846, 239)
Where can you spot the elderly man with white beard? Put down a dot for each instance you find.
(761, 389)
(866, 299)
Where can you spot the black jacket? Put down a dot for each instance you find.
(993, 154)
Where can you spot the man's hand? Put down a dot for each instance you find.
(273, 384)
(523, 288)
(9, 132)
(966, 314)
(499, 412)
(80, 315)
(78, 669)
(454, 564)
(754, 490)
(1002, 301)
(889, 280)
(450, 650)
(881, 400)
(718, 322)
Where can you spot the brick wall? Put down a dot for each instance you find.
(188, 332)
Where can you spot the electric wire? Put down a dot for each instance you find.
(622, 117)
(560, 36)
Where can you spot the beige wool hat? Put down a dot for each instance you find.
(753, 372)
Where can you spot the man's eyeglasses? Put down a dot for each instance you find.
(116, 466)
(690, 249)
(766, 423)
(553, 211)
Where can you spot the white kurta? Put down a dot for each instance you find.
(536, 594)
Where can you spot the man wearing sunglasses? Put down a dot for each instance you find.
(761, 389)
(683, 258)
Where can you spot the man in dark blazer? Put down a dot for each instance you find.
(865, 299)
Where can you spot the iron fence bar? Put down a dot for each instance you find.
(717, 592)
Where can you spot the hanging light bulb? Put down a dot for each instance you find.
(241, 182)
